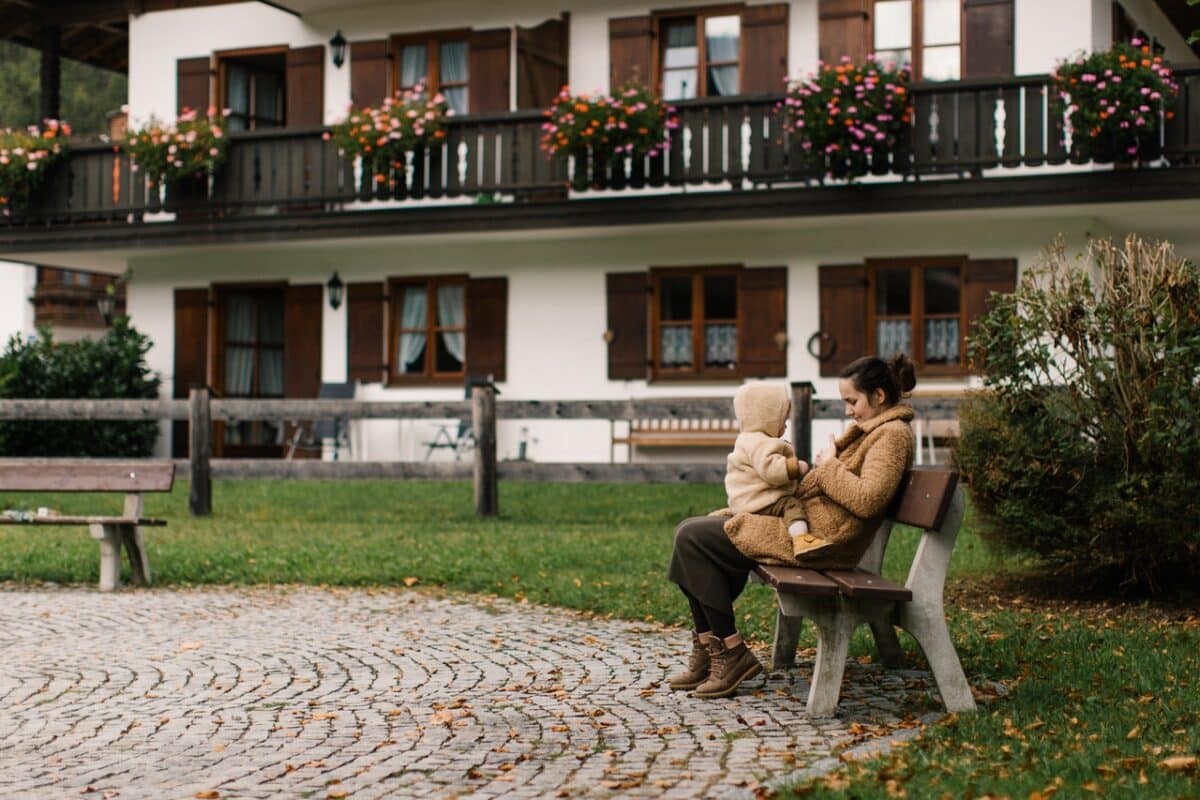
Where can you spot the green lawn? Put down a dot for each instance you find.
(1099, 697)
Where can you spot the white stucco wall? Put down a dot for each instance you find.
(16, 288)
(1047, 32)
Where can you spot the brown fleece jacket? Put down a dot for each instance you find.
(844, 498)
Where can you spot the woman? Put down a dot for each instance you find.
(845, 496)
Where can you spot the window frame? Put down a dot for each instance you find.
(224, 57)
(433, 41)
(698, 321)
(918, 34)
(395, 300)
(917, 265)
(698, 14)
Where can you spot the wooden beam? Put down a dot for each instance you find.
(94, 409)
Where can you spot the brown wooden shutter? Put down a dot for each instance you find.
(488, 78)
(989, 38)
(370, 68)
(365, 306)
(191, 355)
(302, 340)
(541, 63)
(984, 277)
(764, 32)
(306, 87)
(627, 294)
(192, 76)
(843, 299)
(631, 51)
(487, 327)
(843, 27)
(764, 317)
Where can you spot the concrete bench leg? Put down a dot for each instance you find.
(834, 631)
(933, 636)
(787, 638)
(110, 555)
(135, 548)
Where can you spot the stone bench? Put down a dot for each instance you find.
(132, 478)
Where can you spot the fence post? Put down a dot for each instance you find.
(200, 451)
(802, 416)
(483, 416)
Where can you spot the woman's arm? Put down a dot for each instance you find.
(867, 495)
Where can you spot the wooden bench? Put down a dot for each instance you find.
(678, 433)
(838, 601)
(133, 478)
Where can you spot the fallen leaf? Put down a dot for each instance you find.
(411, 581)
(211, 794)
(338, 795)
(1133, 732)
(1178, 763)
(191, 646)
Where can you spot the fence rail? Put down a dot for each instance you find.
(201, 410)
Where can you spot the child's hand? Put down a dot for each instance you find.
(830, 451)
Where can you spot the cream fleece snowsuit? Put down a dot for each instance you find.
(761, 472)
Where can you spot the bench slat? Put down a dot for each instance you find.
(924, 498)
(140, 522)
(75, 475)
(797, 580)
(859, 583)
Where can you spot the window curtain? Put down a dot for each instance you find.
(451, 313)
(270, 361)
(941, 341)
(453, 69)
(237, 93)
(720, 345)
(893, 336)
(675, 346)
(239, 360)
(266, 99)
(414, 59)
(721, 42)
(680, 78)
(412, 343)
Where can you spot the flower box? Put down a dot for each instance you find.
(25, 155)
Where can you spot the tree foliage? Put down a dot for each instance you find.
(1084, 449)
(87, 94)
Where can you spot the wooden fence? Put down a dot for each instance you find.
(200, 410)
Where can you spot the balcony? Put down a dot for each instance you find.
(971, 144)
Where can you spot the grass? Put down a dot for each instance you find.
(1099, 698)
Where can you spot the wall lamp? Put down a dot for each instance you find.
(336, 289)
(338, 45)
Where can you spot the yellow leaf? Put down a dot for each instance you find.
(579, 583)
(338, 795)
(1178, 763)
(191, 645)
(1133, 732)
(411, 581)
(211, 794)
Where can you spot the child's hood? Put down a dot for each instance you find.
(762, 407)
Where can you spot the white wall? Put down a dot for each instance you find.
(1048, 32)
(16, 311)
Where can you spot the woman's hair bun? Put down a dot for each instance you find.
(904, 372)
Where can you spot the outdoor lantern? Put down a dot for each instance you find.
(107, 304)
(338, 44)
(335, 287)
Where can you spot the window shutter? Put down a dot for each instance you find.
(843, 26)
(989, 38)
(365, 305)
(764, 317)
(984, 277)
(630, 50)
(764, 31)
(302, 340)
(487, 327)
(370, 66)
(843, 299)
(192, 84)
(191, 355)
(627, 294)
(305, 87)
(541, 63)
(488, 80)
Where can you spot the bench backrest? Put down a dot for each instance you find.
(69, 475)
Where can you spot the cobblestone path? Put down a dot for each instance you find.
(306, 692)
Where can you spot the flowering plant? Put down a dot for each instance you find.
(381, 136)
(632, 122)
(194, 145)
(1113, 100)
(24, 156)
(849, 116)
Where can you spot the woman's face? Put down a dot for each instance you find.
(860, 407)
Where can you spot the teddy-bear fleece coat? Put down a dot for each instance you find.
(762, 468)
(845, 498)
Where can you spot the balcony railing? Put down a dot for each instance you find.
(967, 129)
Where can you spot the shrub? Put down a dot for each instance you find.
(632, 122)
(24, 157)
(848, 118)
(194, 145)
(112, 366)
(381, 136)
(1083, 448)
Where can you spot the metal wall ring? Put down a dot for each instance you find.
(822, 346)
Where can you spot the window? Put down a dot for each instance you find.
(936, 27)
(916, 306)
(250, 361)
(252, 88)
(695, 322)
(701, 55)
(429, 328)
(439, 62)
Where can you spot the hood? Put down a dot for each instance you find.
(762, 407)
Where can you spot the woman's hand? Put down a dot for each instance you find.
(828, 454)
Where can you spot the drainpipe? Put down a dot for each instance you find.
(49, 41)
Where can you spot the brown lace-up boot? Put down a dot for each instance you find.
(698, 665)
(730, 666)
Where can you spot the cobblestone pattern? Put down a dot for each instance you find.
(302, 692)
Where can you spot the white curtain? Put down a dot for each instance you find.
(720, 345)
(941, 341)
(675, 346)
(237, 93)
(239, 360)
(451, 313)
(412, 343)
(453, 69)
(414, 59)
(893, 336)
(721, 36)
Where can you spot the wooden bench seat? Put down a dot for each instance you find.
(679, 433)
(838, 601)
(132, 478)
